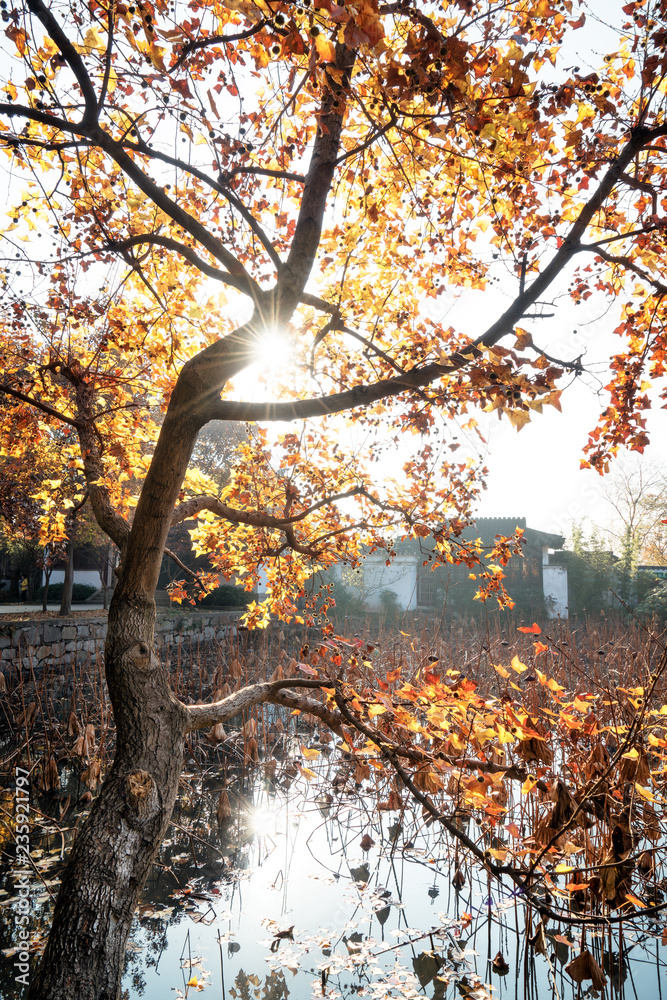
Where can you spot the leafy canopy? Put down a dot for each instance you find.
(189, 178)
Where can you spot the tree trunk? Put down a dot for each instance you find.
(68, 582)
(45, 596)
(115, 848)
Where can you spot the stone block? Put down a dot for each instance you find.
(25, 636)
(69, 632)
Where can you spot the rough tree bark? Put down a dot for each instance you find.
(115, 848)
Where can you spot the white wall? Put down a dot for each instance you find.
(376, 576)
(88, 576)
(555, 590)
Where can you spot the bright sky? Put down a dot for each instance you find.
(535, 472)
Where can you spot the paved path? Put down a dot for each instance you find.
(14, 609)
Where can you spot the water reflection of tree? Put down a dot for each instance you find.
(209, 858)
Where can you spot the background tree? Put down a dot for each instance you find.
(637, 493)
(592, 572)
(204, 175)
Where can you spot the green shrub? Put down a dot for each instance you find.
(655, 602)
(228, 596)
(80, 592)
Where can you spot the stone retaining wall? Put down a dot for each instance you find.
(34, 645)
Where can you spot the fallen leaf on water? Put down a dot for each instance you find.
(583, 967)
(539, 940)
(500, 966)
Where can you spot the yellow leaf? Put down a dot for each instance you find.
(645, 793)
(631, 754)
(517, 665)
(309, 754)
(501, 670)
(192, 982)
(637, 902)
(563, 869)
(374, 710)
(518, 418)
(93, 41)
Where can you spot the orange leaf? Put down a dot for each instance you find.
(534, 628)
(325, 49)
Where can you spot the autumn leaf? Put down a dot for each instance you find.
(325, 49)
(19, 37)
(585, 967)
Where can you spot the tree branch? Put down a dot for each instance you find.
(202, 43)
(180, 248)
(202, 716)
(216, 185)
(161, 199)
(44, 407)
(629, 265)
(368, 142)
(336, 325)
(228, 175)
(308, 229)
(72, 58)
(189, 508)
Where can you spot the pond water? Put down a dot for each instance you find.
(308, 890)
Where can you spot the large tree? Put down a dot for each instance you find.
(194, 177)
